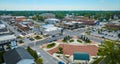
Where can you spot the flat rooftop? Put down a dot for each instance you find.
(50, 27)
(7, 37)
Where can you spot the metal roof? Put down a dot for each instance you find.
(81, 56)
(15, 55)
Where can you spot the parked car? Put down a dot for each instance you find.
(61, 62)
(38, 53)
(103, 37)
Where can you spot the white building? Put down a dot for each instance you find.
(52, 21)
(72, 24)
(49, 29)
(8, 39)
(2, 25)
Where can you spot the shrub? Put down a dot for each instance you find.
(111, 29)
(79, 41)
(60, 50)
(19, 37)
(71, 40)
(87, 41)
(1, 57)
(88, 33)
(119, 35)
(21, 41)
(31, 39)
(39, 61)
(51, 45)
(32, 52)
(66, 38)
(85, 38)
(37, 37)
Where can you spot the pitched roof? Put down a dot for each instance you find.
(15, 55)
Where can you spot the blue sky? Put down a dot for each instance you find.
(59, 4)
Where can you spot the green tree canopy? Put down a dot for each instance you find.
(39, 61)
(38, 17)
(59, 15)
(32, 52)
(119, 35)
(60, 50)
(110, 51)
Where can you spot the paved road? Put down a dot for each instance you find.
(47, 59)
(11, 28)
(44, 41)
(99, 40)
(79, 33)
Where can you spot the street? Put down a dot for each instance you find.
(47, 59)
(11, 28)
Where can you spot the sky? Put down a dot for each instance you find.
(59, 5)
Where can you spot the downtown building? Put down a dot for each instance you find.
(7, 39)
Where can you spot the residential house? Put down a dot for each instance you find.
(18, 56)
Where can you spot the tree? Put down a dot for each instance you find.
(119, 35)
(38, 17)
(39, 61)
(1, 57)
(99, 31)
(66, 38)
(41, 18)
(37, 37)
(60, 50)
(51, 45)
(21, 41)
(87, 15)
(71, 40)
(110, 51)
(59, 15)
(32, 52)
